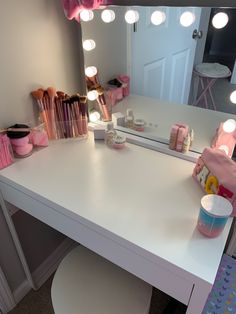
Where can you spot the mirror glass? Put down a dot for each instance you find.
(161, 53)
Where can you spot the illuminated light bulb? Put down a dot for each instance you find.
(220, 20)
(86, 15)
(94, 116)
(108, 16)
(187, 19)
(131, 16)
(91, 71)
(158, 17)
(229, 126)
(92, 95)
(233, 97)
(89, 44)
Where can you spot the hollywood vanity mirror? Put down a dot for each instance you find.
(160, 52)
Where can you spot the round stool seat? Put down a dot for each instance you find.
(213, 70)
(86, 283)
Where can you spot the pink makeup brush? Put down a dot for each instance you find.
(38, 96)
(102, 101)
(52, 94)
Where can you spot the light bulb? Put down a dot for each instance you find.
(92, 95)
(108, 16)
(89, 44)
(91, 71)
(233, 97)
(220, 20)
(94, 116)
(187, 19)
(229, 126)
(131, 16)
(86, 15)
(158, 17)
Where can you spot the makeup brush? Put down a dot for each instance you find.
(52, 93)
(38, 96)
(101, 99)
(83, 101)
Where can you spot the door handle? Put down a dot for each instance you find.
(197, 34)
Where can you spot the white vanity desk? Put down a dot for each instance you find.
(136, 207)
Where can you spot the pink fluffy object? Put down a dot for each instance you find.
(72, 8)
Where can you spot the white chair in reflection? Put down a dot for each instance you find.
(86, 283)
(208, 73)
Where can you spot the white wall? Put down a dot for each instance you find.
(39, 47)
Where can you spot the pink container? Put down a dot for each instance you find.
(214, 213)
(125, 80)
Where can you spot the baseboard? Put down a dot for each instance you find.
(46, 269)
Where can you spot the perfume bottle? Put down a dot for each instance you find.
(129, 120)
(110, 134)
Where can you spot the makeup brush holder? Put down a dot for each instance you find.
(72, 128)
(38, 136)
(6, 153)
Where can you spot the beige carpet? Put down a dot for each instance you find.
(39, 302)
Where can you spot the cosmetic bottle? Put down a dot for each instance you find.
(110, 134)
(129, 120)
(139, 125)
(191, 137)
(186, 144)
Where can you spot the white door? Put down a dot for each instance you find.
(162, 56)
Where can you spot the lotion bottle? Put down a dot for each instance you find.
(110, 134)
(129, 120)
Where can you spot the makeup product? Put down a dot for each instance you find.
(20, 141)
(125, 79)
(103, 104)
(83, 106)
(139, 125)
(129, 120)
(119, 141)
(99, 132)
(118, 119)
(180, 139)
(191, 133)
(6, 154)
(52, 94)
(38, 96)
(110, 134)
(173, 136)
(186, 144)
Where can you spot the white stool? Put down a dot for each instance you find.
(86, 283)
(208, 73)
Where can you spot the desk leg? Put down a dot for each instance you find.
(17, 242)
(198, 298)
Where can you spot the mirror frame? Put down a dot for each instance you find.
(175, 3)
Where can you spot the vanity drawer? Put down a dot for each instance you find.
(117, 250)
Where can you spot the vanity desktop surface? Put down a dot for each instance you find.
(161, 115)
(144, 200)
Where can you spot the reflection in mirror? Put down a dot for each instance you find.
(161, 53)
